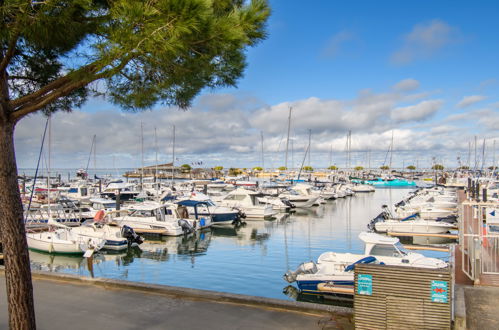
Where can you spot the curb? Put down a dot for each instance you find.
(194, 294)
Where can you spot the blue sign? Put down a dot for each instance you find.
(439, 291)
(365, 284)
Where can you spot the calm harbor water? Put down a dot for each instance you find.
(246, 260)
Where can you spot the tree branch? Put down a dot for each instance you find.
(10, 52)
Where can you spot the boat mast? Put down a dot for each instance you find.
(95, 157)
(142, 156)
(309, 145)
(469, 155)
(173, 154)
(287, 140)
(331, 156)
(391, 152)
(48, 169)
(156, 160)
(483, 155)
(476, 164)
(263, 161)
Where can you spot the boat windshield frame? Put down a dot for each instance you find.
(402, 250)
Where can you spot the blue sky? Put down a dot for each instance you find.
(426, 70)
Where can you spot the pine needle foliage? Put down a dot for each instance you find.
(146, 52)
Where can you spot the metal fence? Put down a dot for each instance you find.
(479, 238)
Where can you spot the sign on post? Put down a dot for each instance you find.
(365, 284)
(439, 291)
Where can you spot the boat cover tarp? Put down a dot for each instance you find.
(366, 260)
(189, 202)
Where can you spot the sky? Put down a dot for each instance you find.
(424, 72)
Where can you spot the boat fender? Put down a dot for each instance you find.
(202, 222)
(99, 216)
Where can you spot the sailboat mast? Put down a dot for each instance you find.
(156, 160)
(142, 156)
(391, 151)
(287, 140)
(483, 155)
(263, 161)
(331, 156)
(173, 154)
(48, 169)
(476, 164)
(309, 144)
(95, 153)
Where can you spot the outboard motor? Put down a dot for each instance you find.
(288, 203)
(305, 268)
(187, 228)
(131, 236)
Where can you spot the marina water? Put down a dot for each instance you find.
(247, 260)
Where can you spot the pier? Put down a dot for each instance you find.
(93, 303)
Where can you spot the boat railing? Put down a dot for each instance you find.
(39, 217)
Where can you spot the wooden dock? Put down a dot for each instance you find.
(452, 236)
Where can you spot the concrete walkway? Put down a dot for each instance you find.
(63, 304)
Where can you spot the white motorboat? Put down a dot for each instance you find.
(95, 205)
(415, 226)
(116, 238)
(363, 188)
(166, 219)
(200, 205)
(301, 195)
(63, 240)
(414, 223)
(425, 212)
(337, 268)
(246, 201)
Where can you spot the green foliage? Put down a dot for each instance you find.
(147, 52)
(308, 168)
(385, 167)
(464, 168)
(359, 168)
(437, 167)
(257, 168)
(282, 168)
(185, 167)
(218, 168)
(411, 167)
(234, 171)
(332, 168)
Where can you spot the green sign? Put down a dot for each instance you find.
(365, 284)
(439, 291)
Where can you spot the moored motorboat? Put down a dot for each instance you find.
(337, 268)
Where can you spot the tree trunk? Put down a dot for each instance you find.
(15, 248)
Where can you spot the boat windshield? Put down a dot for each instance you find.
(401, 248)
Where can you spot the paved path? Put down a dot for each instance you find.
(61, 305)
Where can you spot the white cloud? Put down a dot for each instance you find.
(470, 100)
(418, 112)
(336, 42)
(406, 85)
(425, 40)
(225, 130)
